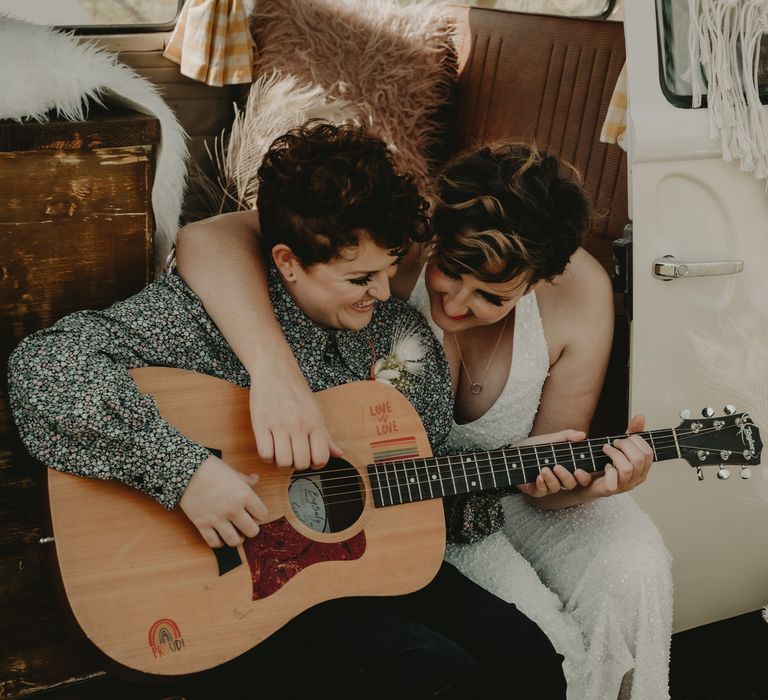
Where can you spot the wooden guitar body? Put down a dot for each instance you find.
(154, 597)
(149, 592)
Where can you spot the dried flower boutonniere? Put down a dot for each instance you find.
(404, 359)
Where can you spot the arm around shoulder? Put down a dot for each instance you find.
(222, 261)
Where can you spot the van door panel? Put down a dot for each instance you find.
(691, 338)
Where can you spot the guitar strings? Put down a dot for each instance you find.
(529, 460)
(396, 490)
(482, 464)
(425, 489)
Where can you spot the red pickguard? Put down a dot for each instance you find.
(279, 552)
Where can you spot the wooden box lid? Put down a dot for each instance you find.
(105, 128)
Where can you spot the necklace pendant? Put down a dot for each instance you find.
(476, 387)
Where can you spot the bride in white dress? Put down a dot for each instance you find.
(594, 577)
(525, 317)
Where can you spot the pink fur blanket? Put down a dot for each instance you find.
(395, 63)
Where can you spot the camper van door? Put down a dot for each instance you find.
(696, 340)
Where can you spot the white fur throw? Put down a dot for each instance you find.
(394, 63)
(44, 71)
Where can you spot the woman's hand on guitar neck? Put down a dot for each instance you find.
(221, 503)
(631, 459)
(557, 488)
(552, 481)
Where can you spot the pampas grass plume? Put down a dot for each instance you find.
(275, 104)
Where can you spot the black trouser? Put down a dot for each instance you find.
(451, 639)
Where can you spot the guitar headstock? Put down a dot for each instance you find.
(729, 440)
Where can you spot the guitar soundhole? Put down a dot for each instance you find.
(330, 499)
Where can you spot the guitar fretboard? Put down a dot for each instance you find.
(405, 481)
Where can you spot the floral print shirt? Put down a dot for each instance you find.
(78, 410)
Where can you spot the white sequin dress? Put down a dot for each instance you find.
(596, 578)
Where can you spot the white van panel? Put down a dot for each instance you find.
(693, 339)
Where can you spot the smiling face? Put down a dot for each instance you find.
(340, 293)
(458, 303)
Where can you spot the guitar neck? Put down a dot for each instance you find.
(406, 481)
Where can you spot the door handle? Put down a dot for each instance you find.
(669, 268)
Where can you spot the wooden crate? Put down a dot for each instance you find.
(75, 232)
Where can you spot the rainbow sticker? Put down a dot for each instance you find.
(394, 448)
(165, 637)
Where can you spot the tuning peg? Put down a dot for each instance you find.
(708, 412)
(723, 473)
(746, 472)
(699, 474)
(730, 409)
(685, 414)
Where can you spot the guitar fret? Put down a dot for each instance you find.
(477, 469)
(389, 486)
(429, 480)
(395, 467)
(373, 475)
(434, 477)
(506, 467)
(649, 435)
(677, 444)
(439, 478)
(536, 456)
(409, 479)
(397, 472)
(583, 455)
(418, 479)
(453, 478)
(522, 465)
(492, 468)
(464, 470)
(592, 455)
(608, 460)
(519, 465)
(573, 456)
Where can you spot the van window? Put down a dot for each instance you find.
(573, 8)
(672, 25)
(146, 15)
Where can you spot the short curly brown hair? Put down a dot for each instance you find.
(506, 210)
(321, 186)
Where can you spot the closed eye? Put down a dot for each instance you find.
(362, 281)
(492, 298)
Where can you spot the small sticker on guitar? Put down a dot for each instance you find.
(165, 638)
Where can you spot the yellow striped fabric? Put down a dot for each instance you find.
(615, 123)
(212, 42)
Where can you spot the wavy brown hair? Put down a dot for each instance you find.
(506, 210)
(321, 186)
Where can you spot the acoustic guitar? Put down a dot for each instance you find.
(149, 592)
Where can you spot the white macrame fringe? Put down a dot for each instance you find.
(724, 39)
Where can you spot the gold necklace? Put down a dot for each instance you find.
(477, 387)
